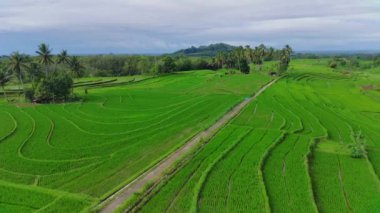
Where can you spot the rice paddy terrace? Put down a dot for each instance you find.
(69, 157)
(288, 151)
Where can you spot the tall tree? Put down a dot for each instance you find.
(285, 57)
(17, 64)
(239, 53)
(288, 50)
(4, 79)
(269, 54)
(220, 59)
(258, 55)
(45, 56)
(35, 73)
(75, 66)
(168, 65)
(63, 58)
(248, 53)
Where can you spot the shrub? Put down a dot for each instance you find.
(358, 149)
(377, 62)
(333, 64)
(168, 65)
(244, 67)
(29, 94)
(56, 87)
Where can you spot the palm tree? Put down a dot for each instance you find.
(248, 53)
(76, 66)
(285, 57)
(63, 57)
(262, 52)
(286, 53)
(220, 58)
(288, 49)
(4, 79)
(270, 53)
(239, 52)
(45, 56)
(17, 63)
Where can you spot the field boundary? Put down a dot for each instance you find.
(117, 198)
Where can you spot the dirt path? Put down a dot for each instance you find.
(115, 200)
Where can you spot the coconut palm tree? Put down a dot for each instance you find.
(45, 56)
(286, 53)
(17, 63)
(4, 79)
(239, 53)
(269, 54)
(248, 52)
(76, 66)
(220, 59)
(289, 49)
(285, 57)
(63, 57)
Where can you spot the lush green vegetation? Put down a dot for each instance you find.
(47, 77)
(291, 150)
(68, 157)
(307, 144)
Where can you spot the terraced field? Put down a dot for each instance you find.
(69, 157)
(288, 151)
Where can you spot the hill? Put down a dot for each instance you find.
(209, 50)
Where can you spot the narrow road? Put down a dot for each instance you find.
(115, 200)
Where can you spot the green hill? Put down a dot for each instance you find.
(209, 50)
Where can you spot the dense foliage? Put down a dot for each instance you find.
(56, 87)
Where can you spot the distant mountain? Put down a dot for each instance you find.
(209, 50)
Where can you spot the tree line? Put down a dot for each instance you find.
(354, 62)
(241, 57)
(51, 76)
(49, 82)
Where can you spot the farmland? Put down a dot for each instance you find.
(288, 151)
(190, 106)
(69, 157)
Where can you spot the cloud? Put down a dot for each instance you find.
(136, 26)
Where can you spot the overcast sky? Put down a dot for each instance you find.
(158, 26)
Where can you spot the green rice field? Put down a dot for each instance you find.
(288, 151)
(69, 157)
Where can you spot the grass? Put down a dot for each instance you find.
(69, 157)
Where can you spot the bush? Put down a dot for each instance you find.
(333, 64)
(56, 87)
(168, 65)
(244, 67)
(358, 149)
(29, 94)
(377, 62)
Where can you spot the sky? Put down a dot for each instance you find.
(163, 26)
